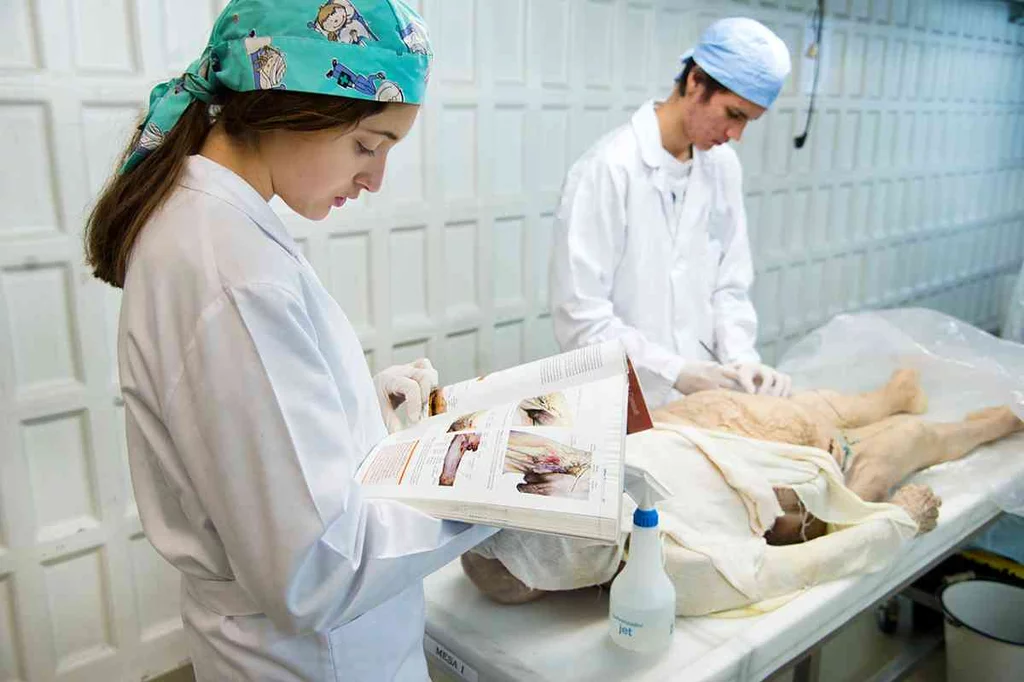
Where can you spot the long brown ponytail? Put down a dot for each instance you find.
(129, 199)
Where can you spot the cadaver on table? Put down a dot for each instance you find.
(866, 444)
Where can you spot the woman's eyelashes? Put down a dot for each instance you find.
(364, 150)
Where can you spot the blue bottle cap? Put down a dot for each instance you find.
(645, 518)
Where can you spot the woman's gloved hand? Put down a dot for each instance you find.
(403, 392)
(753, 377)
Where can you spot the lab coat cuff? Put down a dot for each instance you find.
(670, 372)
(673, 368)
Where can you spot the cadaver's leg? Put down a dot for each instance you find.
(835, 410)
(887, 452)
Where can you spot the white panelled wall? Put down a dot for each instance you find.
(910, 191)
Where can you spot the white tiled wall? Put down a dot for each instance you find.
(910, 190)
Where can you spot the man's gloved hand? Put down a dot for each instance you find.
(403, 392)
(707, 376)
(753, 377)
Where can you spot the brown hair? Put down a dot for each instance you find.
(130, 199)
(711, 86)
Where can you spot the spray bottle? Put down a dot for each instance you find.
(642, 604)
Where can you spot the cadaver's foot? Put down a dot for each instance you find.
(1002, 415)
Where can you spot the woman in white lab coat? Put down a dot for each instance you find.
(249, 404)
(651, 244)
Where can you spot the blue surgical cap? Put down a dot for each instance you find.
(744, 56)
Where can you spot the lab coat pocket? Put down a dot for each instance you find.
(385, 643)
(721, 232)
(713, 260)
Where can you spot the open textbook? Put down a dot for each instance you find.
(537, 447)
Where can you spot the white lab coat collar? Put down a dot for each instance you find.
(648, 135)
(653, 153)
(205, 175)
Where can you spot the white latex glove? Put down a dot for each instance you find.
(707, 376)
(753, 377)
(403, 392)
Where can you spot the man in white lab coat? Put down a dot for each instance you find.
(651, 239)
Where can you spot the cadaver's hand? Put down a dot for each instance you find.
(921, 503)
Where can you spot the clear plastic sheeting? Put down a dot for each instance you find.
(963, 369)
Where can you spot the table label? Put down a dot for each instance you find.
(451, 662)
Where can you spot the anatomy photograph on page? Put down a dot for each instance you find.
(547, 466)
(460, 445)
